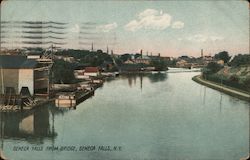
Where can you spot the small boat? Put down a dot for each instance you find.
(65, 99)
(71, 99)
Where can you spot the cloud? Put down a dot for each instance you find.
(150, 19)
(203, 38)
(178, 25)
(197, 38)
(148, 12)
(75, 29)
(107, 27)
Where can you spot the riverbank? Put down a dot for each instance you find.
(222, 88)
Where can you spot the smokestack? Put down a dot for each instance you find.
(92, 47)
(201, 53)
(141, 53)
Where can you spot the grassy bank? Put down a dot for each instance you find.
(225, 89)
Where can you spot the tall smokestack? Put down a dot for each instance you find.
(92, 47)
(141, 53)
(201, 53)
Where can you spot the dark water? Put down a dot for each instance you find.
(154, 116)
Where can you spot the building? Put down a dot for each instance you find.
(182, 63)
(142, 61)
(207, 58)
(22, 76)
(129, 61)
(92, 71)
(166, 58)
(66, 58)
(79, 74)
(220, 62)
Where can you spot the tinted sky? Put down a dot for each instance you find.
(172, 28)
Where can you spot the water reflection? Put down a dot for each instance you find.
(157, 77)
(153, 78)
(220, 101)
(204, 95)
(33, 126)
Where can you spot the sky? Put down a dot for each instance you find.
(172, 28)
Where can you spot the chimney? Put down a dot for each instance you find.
(92, 47)
(141, 53)
(201, 53)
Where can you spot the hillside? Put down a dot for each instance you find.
(241, 73)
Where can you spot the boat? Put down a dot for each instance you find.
(72, 99)
(65, 99)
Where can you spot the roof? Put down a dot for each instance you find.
(16, 62)
(91, 69)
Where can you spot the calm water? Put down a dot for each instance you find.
(154, 116)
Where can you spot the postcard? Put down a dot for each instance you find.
(124, 80)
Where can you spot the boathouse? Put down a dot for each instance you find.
(22, 76)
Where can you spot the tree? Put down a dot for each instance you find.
(99, 51)
(212, 68)
(159, 65)
(222, 56)
(247, 84)
(63, 72)
(240, 60)
(125, 57)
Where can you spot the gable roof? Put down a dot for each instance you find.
(16, 62)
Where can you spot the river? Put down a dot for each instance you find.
(140, 117)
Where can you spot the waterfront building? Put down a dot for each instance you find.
(23, 76)
(92, 71)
